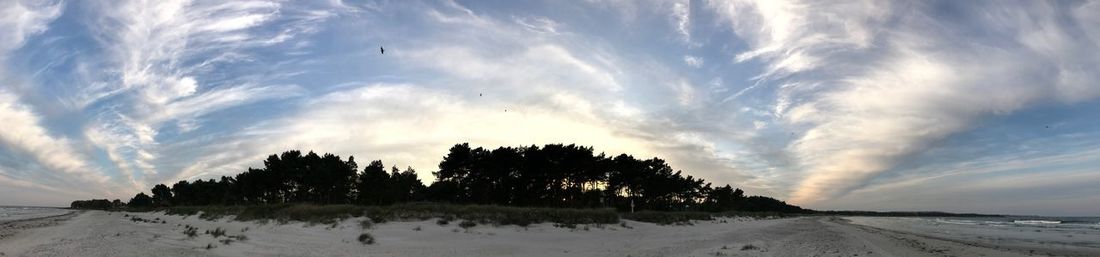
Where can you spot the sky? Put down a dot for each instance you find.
(961, 106)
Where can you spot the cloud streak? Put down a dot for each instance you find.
(823, 103)
(897, 78)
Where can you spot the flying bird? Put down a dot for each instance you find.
(381, 49)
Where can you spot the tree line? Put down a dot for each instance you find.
(553, 175)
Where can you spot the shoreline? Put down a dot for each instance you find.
(99, 233)
(10, 228)
(996, 238)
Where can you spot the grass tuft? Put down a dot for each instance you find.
(466, 224)
(366, 239)
(191, 231)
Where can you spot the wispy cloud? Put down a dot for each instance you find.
(897, 78)
(821, 102)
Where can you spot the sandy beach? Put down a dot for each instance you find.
(98, 233)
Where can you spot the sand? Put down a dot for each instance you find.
(97, 233)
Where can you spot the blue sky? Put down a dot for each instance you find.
(965, 106)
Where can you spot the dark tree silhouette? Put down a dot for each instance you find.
(554, 175)
(141, 200)
(372, 185)
(162, 196)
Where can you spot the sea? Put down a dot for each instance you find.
(1023, 221)
(10, 213)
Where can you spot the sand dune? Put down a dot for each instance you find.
(97, 233)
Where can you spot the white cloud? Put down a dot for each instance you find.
(23, 130)
(22, 19)
(386, 116)
(164, 52)
(686, 93)
(538, 24)
(693, 61)
(525, 86)
(681, 15)
(892, 88)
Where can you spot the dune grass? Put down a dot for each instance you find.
(445, 213)
(328, 214)
(687, 217)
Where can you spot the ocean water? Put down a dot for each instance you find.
(10, 213)
(1022, 221)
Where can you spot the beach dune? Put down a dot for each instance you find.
(99, 233)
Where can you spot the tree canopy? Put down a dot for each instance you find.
(553, 175)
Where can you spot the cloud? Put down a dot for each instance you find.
(23, 131)
(892, 88)
(693, 61)
(22, 19)
(168, 54)
(681, 15)
(526, 86)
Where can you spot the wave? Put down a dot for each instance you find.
(1037, 222)
(957, 222)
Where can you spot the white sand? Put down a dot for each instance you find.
(96, 233)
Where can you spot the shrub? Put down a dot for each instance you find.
(191, 231)
(566, 225)
(330, 214)
(668, 218)
(366, 239)
(217, 232)
(467, 224)
(444, 221)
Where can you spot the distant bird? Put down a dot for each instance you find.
(381, 49)
(478, 94)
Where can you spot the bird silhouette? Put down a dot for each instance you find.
(381, 49)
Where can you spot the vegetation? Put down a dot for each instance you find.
(141, 200)
(328, 214)
(366, 239)
(97, 204)
(565, 184)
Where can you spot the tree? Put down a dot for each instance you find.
(162, 196)
(553, 175)
(141, 200)
(372, 184)
(405, 186)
